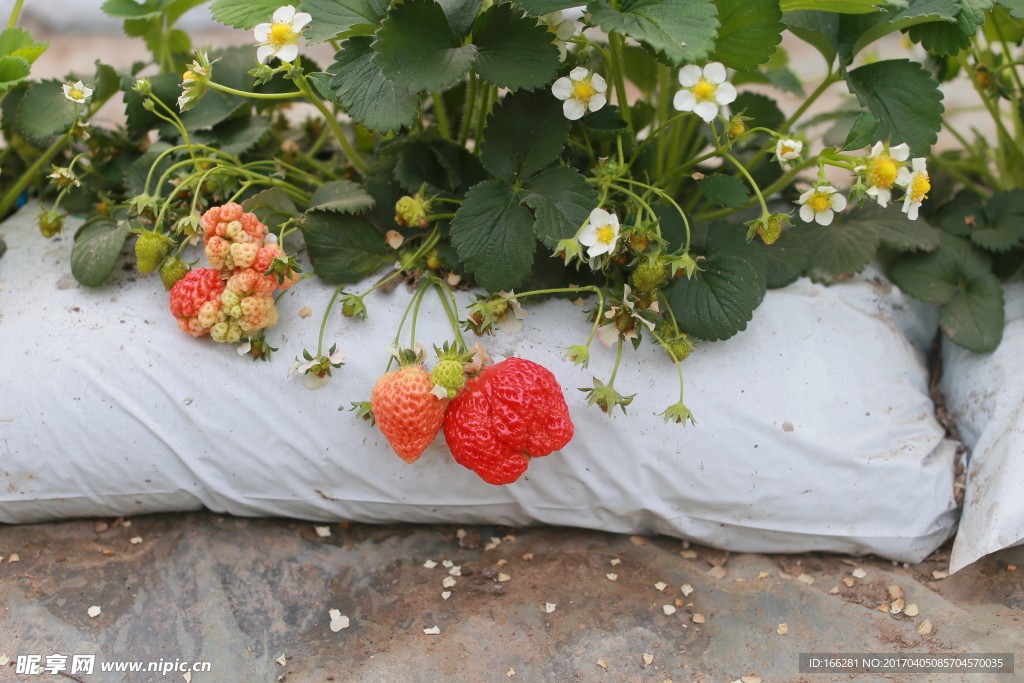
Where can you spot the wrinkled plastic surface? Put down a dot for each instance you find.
(815, 430)
(985, 397)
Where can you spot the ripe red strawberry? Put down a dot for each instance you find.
(509, 413)
(407, 413)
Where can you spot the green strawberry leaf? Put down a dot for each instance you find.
(343, 248)
(524, 133)
(862, 132)
(127, 9)
(272, 206)
(513, 51)
(1004, 228)
(842, 248)
(494, 236)
(461, 14)
(935, 277)
(724, 190)
(44, 111)
(97, 246)
(749, 34)
(539, 7)
(788, 258)
(368, 97)
(681, 32)
(17, 42)
(719, 300)
(818, 29)
(342, 17)
(340, 196)
(858, 31)
(243, 14)
(562, 200)
(1016, 7)
(896, 230)
(440, 164)
(838, 6)
(763, 111)
(13, 70)
(904, 98)
(956, 276)
(235, 136)
(974, 316)
(417, 48)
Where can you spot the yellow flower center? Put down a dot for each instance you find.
(882, 171)
(188, 76)
(282, 34)
(77, 94)
(820, 201)
(787, 150)
(605, 234)
(583, 90)
(920, 187)
(704, 91)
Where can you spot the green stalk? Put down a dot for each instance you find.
(323, 321)
(485, 98)
(617, 66)
(255, 95)
(664, 84)
(467, 109)
(27, 177)
(15, 13)
(451, 314)
(442, 115)
(338, 132)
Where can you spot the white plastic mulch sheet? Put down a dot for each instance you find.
(985, 397)
(815, 428)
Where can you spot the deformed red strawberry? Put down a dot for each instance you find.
(509, 413)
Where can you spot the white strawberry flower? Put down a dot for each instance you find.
(704, 91)
(280, 38)
(580, 91)
(787, 150)
(600, 233)
(563, 29)
(77, 92)
(918, 184)
(881, 169)
(820, 203)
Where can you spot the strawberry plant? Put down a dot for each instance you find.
(619, 157)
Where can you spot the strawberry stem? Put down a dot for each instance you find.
(444, 293)
(323, 322)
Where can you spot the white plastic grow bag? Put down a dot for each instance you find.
(815, 428)
(985, 397)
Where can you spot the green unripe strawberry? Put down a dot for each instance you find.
(348, 310)
(433, 261)
(679, 349)
(448, 373)
(646, 277)
(172, 271)
(150, 250)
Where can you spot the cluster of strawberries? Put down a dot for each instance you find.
(233, 299)
(495, 422)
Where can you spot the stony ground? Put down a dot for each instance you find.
(254, 597)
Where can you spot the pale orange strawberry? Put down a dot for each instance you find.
(408, 414)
